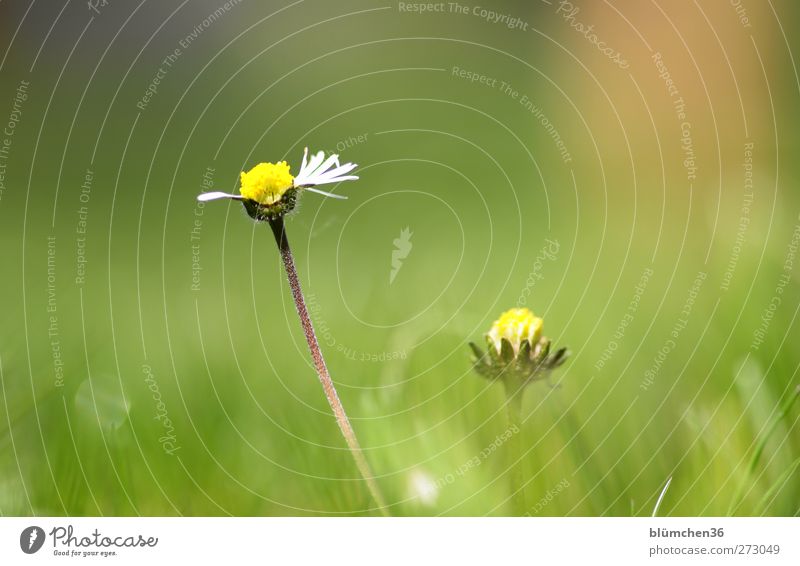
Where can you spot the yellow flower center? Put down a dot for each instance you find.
(266, 182)
(516, 325)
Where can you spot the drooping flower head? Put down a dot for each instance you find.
(269, 190)
(515, 325)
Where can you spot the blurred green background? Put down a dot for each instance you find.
(151, 359)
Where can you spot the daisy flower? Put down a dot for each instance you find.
(517, 355)
(269, 190)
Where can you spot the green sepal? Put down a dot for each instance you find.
(482, 362)
(524, 351)
(265, 212)
(480, 357)
(532, 362)
(506, 351)
(541, 350)
(558, 358)
(494, 356)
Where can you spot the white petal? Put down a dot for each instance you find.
(337, 172)
(313, 190)
(324, 180)
(312, 165)
(305, 159)
(307, 178)
(330, 181)
(321, 171)
(214, 195)
(333, 158)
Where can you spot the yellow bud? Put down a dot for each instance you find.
(266, 182)
(516, 326)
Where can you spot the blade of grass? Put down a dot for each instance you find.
(770, 494)
(661, 497)
(736, 501)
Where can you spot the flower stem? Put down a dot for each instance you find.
(349, 434)
(514, 421)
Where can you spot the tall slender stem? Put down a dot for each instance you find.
(514, 420)
(349, 434)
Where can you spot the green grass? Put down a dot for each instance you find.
(255, 435)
